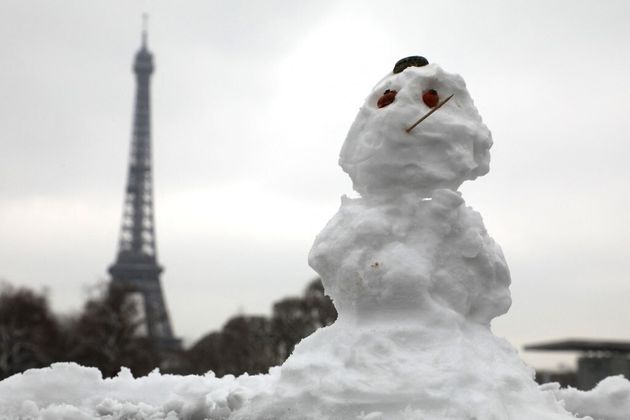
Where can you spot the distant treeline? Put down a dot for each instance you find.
(107, 334)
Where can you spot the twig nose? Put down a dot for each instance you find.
(438, 106)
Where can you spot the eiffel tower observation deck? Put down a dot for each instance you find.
(136, 270)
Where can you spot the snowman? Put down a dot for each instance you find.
(413, 273)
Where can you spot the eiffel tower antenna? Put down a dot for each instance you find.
(145, 29)
(136, 269)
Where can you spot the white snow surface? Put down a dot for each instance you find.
(69, 391)
(72, 392)
(609, 400)
(416, 280)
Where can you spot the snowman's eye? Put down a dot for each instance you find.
(430, 98)
(386, 99)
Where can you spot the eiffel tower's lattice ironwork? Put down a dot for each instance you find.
(136, 269)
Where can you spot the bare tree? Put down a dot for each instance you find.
(253, 344)
(296, 318)
(30, 336)
(106, 335)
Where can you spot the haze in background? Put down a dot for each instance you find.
(251, 103)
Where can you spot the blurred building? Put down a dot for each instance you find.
(596, 361)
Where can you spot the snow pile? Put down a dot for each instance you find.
(609, 400)
(416, 280)
(70, 391)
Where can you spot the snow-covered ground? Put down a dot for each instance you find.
(72, 392)
(416, 280)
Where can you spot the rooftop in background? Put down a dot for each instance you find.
(582, 345)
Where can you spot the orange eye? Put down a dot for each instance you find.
(430, 98)
(387, 98)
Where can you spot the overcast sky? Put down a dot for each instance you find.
(251, 104)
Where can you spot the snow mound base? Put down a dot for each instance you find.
(609, 400)
(69, 391)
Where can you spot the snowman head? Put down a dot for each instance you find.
(450, 146)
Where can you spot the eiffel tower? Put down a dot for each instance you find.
(136, 270)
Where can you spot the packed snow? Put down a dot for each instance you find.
(415, 278)
(609, 400)
(70, 391)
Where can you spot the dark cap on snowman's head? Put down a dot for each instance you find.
(413, 61)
